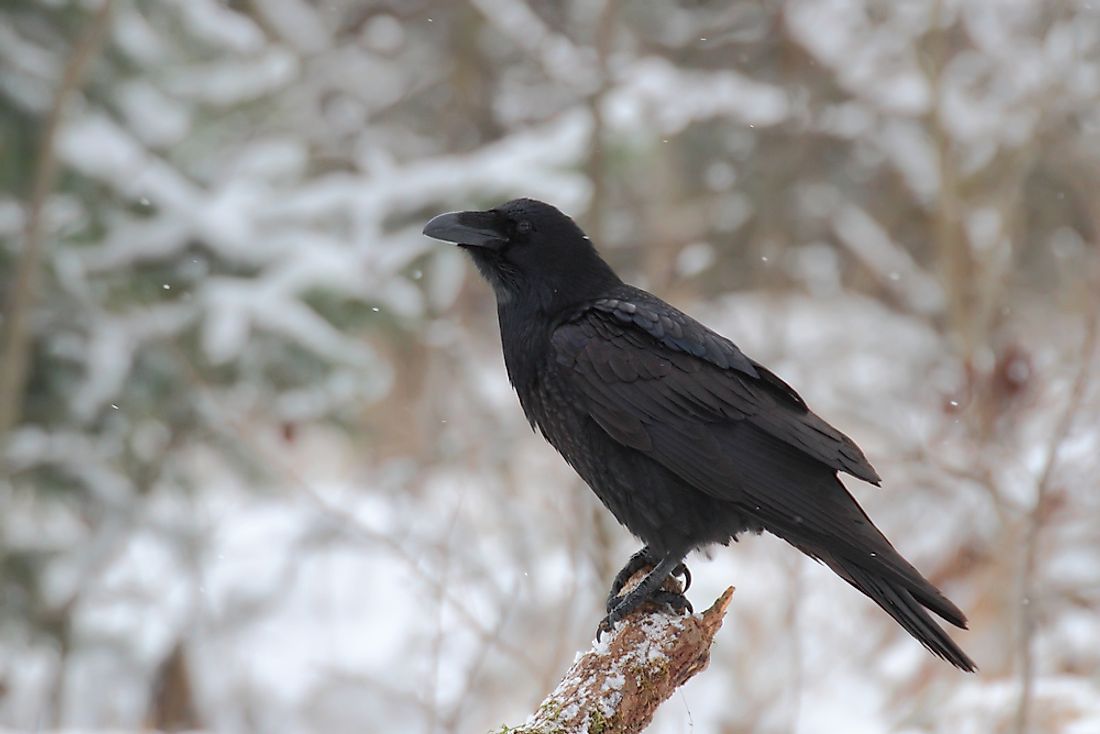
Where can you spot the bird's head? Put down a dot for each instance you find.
(531, 253)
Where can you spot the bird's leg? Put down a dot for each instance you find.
(646, 590)
(638, 561)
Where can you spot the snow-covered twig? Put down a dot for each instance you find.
(616, 687)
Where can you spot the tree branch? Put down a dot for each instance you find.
(23, 287)
(616, 687)
(1025, 632)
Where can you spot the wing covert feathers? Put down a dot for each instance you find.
(640, 357)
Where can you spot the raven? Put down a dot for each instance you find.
(685, 439)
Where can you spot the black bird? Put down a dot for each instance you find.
(684, 438)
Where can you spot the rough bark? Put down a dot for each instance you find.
(616, 687)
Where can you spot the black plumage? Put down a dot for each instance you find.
(683, 437)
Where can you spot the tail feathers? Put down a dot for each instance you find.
(841, 535)
(907, 608)
(801, 500)
(928, 595)
(885, 563)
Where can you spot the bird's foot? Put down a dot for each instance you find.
(676, 602)
(637, 562)
(648, 589)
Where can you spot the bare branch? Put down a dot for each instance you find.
(1034, 526)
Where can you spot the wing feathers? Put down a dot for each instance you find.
(674, 329)
(666, 367)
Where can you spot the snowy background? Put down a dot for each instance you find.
(263, 471)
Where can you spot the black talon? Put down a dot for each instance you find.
(678, 602)
(682, 570)
(607, 624)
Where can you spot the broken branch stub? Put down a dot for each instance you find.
(616, 687)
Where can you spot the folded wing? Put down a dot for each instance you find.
(646, 366)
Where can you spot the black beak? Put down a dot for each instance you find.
(479, 229)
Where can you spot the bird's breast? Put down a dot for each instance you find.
(557, 414)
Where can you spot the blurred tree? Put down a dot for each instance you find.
(250, 381)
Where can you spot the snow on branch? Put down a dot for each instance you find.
(616, 687)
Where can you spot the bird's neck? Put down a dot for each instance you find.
(525, 340)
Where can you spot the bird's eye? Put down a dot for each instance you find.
(523, 226)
